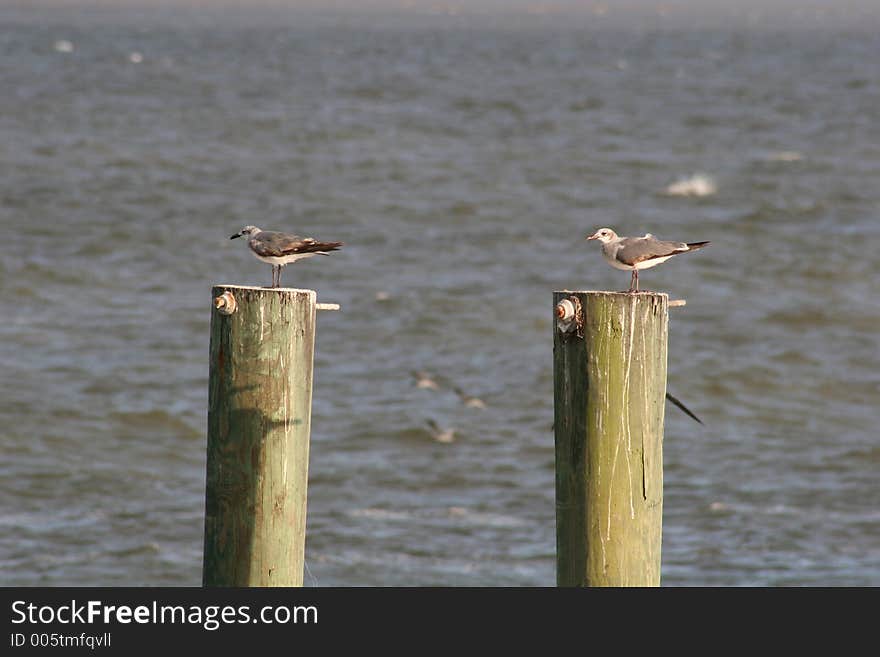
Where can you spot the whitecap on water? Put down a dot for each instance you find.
(698, 184)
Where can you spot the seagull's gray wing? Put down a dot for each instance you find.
(634, 250)
(272, 243)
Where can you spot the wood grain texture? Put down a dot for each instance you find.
(609, 395)
(259, 416)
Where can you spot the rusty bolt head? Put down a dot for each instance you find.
(565, 310)
(225, 303)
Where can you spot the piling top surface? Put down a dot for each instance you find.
(624, 293)
(264, 288)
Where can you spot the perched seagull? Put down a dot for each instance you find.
(635, 253)
(279, 249)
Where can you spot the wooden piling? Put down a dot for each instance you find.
(609, 366)
(259, 414)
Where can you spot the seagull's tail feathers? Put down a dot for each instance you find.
(323, 247)
(693, 246)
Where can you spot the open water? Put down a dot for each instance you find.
(462, 159)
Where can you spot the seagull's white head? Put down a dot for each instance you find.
(246, 231)
(604, 235)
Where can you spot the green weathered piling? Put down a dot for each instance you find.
(609, 363)
(259, 414)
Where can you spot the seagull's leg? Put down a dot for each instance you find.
(633, 281)
(280, 267)
(636, 274)
(274, 274)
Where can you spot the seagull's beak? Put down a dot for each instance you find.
(593, 237)
(232, 237)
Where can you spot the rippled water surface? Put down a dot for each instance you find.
(462, 163)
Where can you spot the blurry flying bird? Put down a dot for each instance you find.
(438, 434)
(468, 400)
(424, 380)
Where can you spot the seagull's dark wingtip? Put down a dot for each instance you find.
(684, 408)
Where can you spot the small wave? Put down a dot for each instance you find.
(699, 184)
(63, 45)
(156, 420)
(134, 550)
(380, 514)
(460, 515)
(785, 156)
(480, 519)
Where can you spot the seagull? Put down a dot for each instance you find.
(635, 253)
(468, 400)
(424, 380)
(438, 434)
(684, 408)
(279, 249)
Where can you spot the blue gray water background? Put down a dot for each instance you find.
(462, 160)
